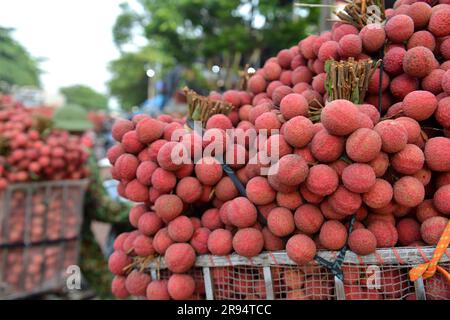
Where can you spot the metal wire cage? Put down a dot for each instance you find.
(273, 276)
(41, 211)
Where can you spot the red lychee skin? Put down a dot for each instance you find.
(278, 186)
(345, 202)
(418, 62)
(118, 288)
(420, 12)
(326, 147)
(149, 223)
(306, 47)
(409, 160)
(393, 61)
(163, 181)
(248, 242)
(117, 262)
(385, 233)
(137, 282)
(211, 219)
(259, 191)
(393, 135)
(232, 97)
(412, 127)
(208, 171)
(114, 153)
(267, 121)
(272, 71)
(258, 110)
(301, 87)
(135, 214)
(118, 242)
(301, 249)
(270, 89)
(339, 166)
(408, 231)
(342, 30)
(439, 24)
(339, 117)
(199, 240)
(419, 105)
(423, 175)
(308, 219)
(399, 28)
(409, 192)
(157, 290)
(285, 57)
(329, 213)
(272, 242)
(241, 213)
(358, 177)
(292, 170)
(162, 241)
(441, 200)
(362, 242)
(121, 127)
(298, 131)
(290, 200)
(149, 130)
(167, 156)
(137, 192)
(374, 83)
(181, 286)
(442, 113)
(322, 180)
(363, 145)
(372, 37)
(279, 93)
(371, 112)
(281, 222)
(170, 129)
(276, 146)
(329, 50)
(437, 154)
(380, 195)
(189, 189)
(143, 246)
(286, 77)
(402, 85)
(226, 190)
(444, 48)
(219, 121)
(154, 148)
(126, 166)
(446, 82)
(145, 171)
(350, 45)
(220, 242)
(179, 257)
(293, 105)
(168, 207)
(432, 229)
(422, 39)
(181, 229)
(333, 235)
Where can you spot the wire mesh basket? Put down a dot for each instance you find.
(41, 211)
(273, 276)
(30, 270)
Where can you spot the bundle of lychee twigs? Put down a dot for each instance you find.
(360, 12)
(202, 108)
(349, 79)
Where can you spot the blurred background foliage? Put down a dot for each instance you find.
(85, 97)
(227, 33)
(17, 66)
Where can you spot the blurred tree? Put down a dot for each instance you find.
(17, 67)
(129, 81)
(85, 97)
(229, 33)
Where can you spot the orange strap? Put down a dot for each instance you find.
(428, 269)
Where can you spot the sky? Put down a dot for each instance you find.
(74, 36)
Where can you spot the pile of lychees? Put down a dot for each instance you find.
(390, 170)
(31, 152)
